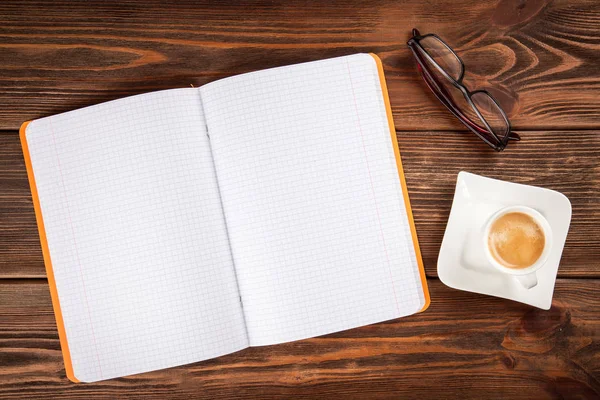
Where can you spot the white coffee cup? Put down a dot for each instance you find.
(526, 276)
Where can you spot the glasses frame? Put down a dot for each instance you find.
(496, 142)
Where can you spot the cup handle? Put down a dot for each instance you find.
(528, 281)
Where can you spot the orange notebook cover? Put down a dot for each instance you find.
(413, 229)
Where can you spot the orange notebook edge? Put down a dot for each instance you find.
(413, 230)
(46, 253)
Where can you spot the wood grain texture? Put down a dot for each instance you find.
(463, 346)
(539, 57)
(564, 161)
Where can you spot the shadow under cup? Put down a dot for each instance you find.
(524, 274)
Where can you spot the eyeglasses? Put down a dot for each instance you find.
(443, 72)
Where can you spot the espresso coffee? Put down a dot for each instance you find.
(516, 240)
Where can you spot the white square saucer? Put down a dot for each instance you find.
(462, 264)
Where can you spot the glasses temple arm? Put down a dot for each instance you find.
(511, 135)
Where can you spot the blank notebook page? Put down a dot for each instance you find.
(312, 198)
(136, 234)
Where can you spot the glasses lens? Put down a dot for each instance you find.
(443, 56)
(457, 100)
(441, 69)
(492, 114)
(451, 92)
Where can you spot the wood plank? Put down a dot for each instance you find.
(20, 251)
(469, 345)
(539, 57)
(564, 161)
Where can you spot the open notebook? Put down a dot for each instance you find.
(185, 224)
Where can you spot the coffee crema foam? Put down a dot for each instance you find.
(516, 240)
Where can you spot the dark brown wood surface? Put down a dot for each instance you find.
(540, 58)
(431, 161)
(464, 346)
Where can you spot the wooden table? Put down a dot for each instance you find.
(540, 58)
